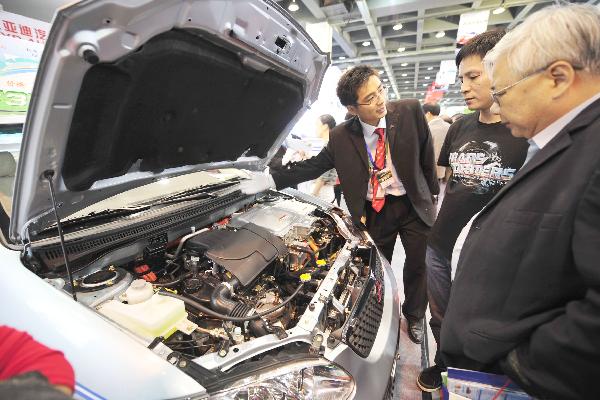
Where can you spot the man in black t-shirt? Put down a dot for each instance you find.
(481, 156)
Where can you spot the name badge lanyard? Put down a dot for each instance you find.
(372, 163)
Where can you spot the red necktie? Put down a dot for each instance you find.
(377, 203)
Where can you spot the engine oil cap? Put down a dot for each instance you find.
(305, 277)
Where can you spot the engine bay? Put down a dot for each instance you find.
(279, 270)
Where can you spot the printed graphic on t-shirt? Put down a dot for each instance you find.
(479, 165)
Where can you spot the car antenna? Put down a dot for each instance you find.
(48, 174)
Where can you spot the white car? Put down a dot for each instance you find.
(130, 247)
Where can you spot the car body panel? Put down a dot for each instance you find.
(98, 350)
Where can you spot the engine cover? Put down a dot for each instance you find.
(244, 252)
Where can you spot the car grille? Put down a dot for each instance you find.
(366, 316)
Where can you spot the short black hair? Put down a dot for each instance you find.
(328, 120)
(432, 108)
(480, 45)
(351, 80)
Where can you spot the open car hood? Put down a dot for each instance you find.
(133, 91)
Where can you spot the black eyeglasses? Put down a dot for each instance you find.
(381, 93)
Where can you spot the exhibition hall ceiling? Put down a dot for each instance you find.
(406, 39)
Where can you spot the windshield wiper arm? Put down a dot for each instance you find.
(104, 214)
(198, 193)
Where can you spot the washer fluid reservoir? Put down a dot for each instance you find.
(157, 316)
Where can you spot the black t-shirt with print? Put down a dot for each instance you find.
(483, 158)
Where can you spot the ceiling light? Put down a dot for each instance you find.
(406, 81)
(366, 44)
(500, 9)
(385, 79)
(425, 84)
(429, 69)
(342, 58)
(440, 34)
(403, 64)
(421, 94)
(397, 27)
(404, 74)
(401, 49)
(427, 77)
(293, 7)
(381, 72)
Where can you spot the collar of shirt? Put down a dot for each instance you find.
(548, 133)
(369, 130)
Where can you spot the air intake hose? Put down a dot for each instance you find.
(220, 301)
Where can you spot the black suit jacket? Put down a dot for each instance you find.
(411, 153)
(528, 278)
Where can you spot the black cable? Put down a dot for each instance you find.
(215, 314)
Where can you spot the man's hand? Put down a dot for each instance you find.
(258, 182)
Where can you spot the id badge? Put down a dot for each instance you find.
(384, 177)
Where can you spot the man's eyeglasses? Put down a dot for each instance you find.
(499, 93)
(381, 93)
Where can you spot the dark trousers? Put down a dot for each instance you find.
(438, 292)
(398, 217)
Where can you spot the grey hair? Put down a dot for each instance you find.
(570, 33)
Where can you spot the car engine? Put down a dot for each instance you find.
(260, 271)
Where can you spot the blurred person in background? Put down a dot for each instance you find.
(447, 119)
(439, 129)
(324, 124)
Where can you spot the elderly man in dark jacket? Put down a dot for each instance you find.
(526, 298)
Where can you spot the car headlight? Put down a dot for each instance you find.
(305, 379)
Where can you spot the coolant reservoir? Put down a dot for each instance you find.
(157, 316)
(137, 292)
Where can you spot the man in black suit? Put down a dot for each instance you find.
(526, 297)
(384, 159)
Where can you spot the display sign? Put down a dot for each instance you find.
(434, 94)
(447, 73)
(471, 24)
(22, 42)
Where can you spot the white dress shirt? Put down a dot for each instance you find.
(371, 138)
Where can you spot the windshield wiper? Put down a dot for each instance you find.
(198, 193)
(99, 215)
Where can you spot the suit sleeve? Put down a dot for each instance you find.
(560, 358)
(302, 171)
(427, 156)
